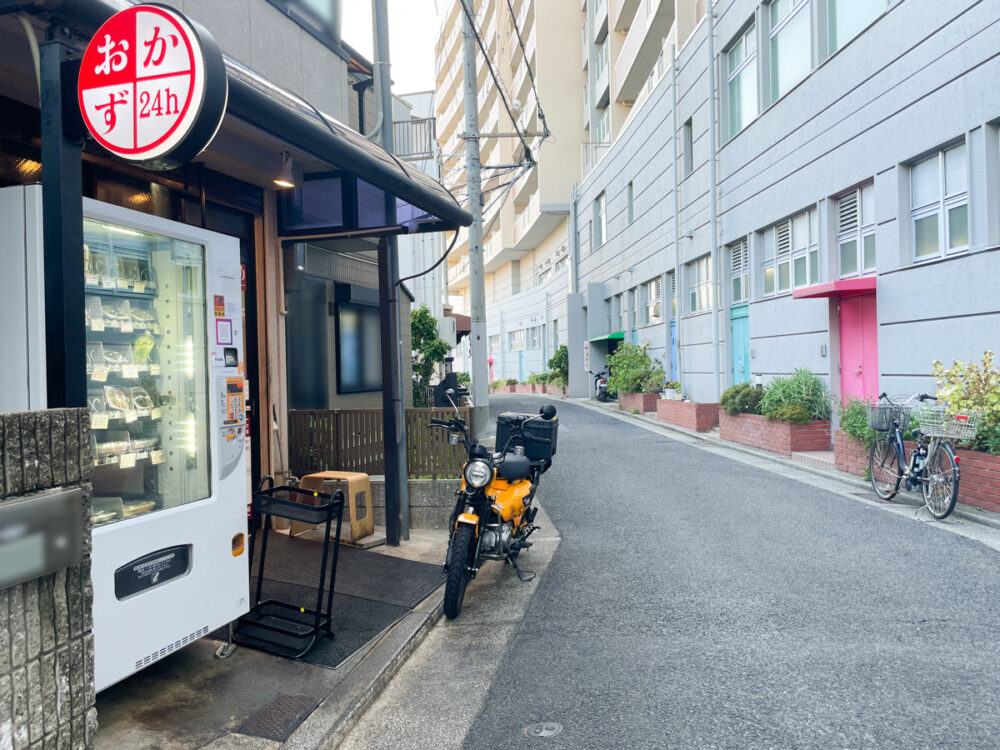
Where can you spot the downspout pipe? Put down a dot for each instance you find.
(677, 223)
(574, 250)
(713, 208)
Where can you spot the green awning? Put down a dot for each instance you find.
(616, 336)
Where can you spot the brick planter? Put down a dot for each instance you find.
(849, 455)
(642, 401)
(554, 390)
(693, 416)
(524, 388)
(784, 438)
(980, 481)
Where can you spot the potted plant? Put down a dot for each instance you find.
(672, 390)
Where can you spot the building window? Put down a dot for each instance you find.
(739, 257)
(649, 301)
(849, 17)
(534, 339)
(688, 145)
(742, 66)
(791, 45)
(939, 203)
(630, 208)
(555, 334)
(621, 313)
(609, 313)
(856, 231)
(699, 278)
(495, 344)
(515, 340)
(790, 254)
(600, 225)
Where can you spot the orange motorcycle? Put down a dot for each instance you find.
(494, 515)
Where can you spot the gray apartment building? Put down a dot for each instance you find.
(855, 229)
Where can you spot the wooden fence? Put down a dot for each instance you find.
(351, 440)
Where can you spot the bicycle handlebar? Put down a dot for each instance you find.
(917, 396)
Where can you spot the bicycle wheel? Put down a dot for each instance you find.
(939, 481)
(883, 467)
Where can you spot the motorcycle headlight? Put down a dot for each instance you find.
(478, 474)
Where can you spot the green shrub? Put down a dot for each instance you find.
(853, 415)
(463, 379)
(802, 388)
(511, 381)
(498, 384)
(742, 398)
(556, 378)
(538, 379)
(965, 387)
(558, 364)
(634, 371)
(794, 413)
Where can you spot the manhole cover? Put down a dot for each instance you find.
(279, 718)
(543, 729)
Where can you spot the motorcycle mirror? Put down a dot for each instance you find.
(450, 395)
(548, 411)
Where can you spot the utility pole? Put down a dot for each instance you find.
(393, 395)
(477, 281)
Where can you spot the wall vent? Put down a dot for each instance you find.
(170, 648)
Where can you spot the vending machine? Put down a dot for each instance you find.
(165, 389)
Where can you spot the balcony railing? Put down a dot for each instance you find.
(414, 139)
(593, 152)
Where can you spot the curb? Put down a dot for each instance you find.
(337, 714)
(964, 512)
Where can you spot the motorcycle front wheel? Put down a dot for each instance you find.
(458, 570)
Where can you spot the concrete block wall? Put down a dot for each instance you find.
(46, 643)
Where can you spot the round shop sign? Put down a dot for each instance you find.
(152, 86)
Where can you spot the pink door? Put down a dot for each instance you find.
(858, 347)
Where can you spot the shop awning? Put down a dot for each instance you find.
(422, 203)
(616, 336)
(842, 288)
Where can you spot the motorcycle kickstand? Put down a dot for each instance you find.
(523, 575)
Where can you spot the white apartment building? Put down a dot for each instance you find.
(525, 229)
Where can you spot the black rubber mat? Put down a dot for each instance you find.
(360, 573)
(355, 621)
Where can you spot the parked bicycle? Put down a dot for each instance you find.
(932, 465)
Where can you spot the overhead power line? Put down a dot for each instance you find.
(496, 80)
(527, 64)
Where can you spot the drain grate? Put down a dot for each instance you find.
(279, 718)
(543, 730)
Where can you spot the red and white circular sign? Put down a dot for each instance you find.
(143, 84)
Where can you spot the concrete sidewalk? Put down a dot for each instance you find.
(191, 699)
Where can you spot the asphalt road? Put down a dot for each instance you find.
(690, 600)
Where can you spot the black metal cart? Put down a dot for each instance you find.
(283, 628)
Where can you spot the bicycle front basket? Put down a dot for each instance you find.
(881, 416)
(935, 421)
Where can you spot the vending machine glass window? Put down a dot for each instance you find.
(147, 371)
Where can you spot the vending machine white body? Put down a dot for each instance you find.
(165, 383)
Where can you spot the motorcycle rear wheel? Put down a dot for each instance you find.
(458, 570)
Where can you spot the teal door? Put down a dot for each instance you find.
(739, 326)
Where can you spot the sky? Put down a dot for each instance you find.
(413, 30)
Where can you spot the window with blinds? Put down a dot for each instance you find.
(856, 231)
(790, 254)
(672, 287)
(739, 261)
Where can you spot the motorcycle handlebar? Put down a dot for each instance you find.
(440, 423)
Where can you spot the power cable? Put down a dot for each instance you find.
(527, 64)
(496, 81)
